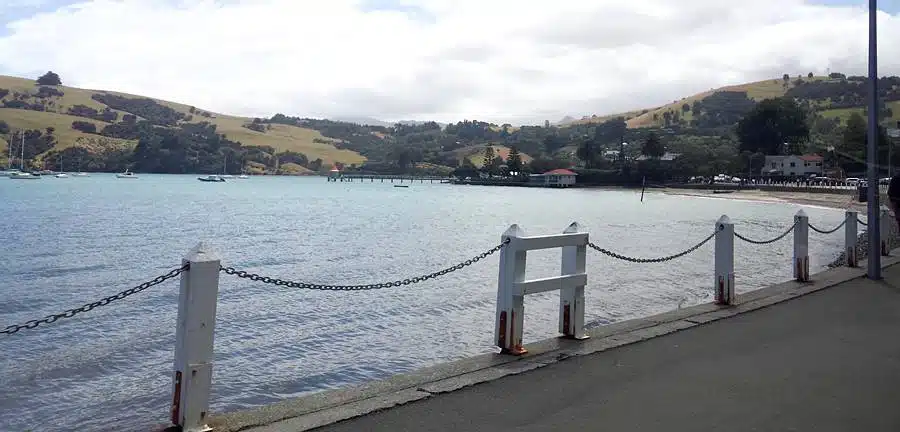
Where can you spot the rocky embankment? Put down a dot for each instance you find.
(893, 236)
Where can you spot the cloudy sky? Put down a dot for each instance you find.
(517, 61)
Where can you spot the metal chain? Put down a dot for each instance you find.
(102, 302)
(650, 260)
(408, 281)
(766, 241)
(820, 231)
(861, 222)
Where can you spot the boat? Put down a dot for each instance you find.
(61, 175)
(24, 176)
(717, 191)
(127, 174)
(405, 186)
(7, 173)
(243, 176)
(79, 173)
(211, 178)
(21, 174)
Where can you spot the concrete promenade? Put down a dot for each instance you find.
(818, 356)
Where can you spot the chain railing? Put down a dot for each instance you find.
(650, 260)
(821, 231)
(8, 330)
(765, 242)
(364, 287)
(861, 222)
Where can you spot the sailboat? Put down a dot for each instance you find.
(243, 172)
(225, 174)
(79, 173)
(127, 174)
(21, 174)
(9, 169)
(62, 173)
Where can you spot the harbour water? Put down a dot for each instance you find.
(71, 241)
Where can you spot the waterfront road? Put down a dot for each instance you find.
(827, 361)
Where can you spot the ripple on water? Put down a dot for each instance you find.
(113, 365)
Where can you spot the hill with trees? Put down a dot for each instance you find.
(722, 130)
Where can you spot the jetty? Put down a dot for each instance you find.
(350, 177)
(814, 353)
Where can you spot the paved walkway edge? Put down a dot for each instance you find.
(332, 406)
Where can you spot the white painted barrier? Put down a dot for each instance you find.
(194, 339)
(851, 237)
(724, 268)
(512, 286)
(801, 246)
(200, 283)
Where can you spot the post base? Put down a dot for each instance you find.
(573, 337)
(516, 351)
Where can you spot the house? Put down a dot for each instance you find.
(793, 166)
(555, 178)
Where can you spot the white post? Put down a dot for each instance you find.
(194, 339)
(571, 300)
(510, 307)
(885, 224)
(850, 238)
(801, 246)
(724, 281)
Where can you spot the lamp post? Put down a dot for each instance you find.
(874, 269)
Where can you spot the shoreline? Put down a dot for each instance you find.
(832, 201)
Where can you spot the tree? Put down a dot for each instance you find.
(810, 75)
(514, 160)
(653, 147)
(686, 107)
(587, 152)
(50, 79)
(771, 124)
(4, 127)
(488, 158)
(552, 143)
(786, 78)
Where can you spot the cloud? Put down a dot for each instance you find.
(518, 61)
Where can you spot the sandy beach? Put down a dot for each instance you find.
(843, 201)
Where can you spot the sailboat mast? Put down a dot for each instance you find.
(22, 159)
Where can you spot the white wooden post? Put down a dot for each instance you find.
(571, 300)
(801, 246)
(724, 282)
(510, 307)
(194, 339)
(850, 238)
(885, 224)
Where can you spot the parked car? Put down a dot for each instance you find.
(851, 181)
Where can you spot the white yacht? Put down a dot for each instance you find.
(127, 174)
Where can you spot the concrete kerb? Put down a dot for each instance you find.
(328, 407)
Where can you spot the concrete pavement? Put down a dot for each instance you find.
(828, 361)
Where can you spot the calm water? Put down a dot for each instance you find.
(72, 241)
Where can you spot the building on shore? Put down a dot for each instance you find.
(554, 178)
(793, 166)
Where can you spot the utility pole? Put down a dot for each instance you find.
(874, 269)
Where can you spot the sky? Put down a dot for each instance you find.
(504, 61)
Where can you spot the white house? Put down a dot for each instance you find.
(667, 157)
(794, 165)
(555, 178)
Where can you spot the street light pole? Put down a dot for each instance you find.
(874, 269)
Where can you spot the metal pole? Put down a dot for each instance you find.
(874, 269)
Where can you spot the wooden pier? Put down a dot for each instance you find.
(390, 178)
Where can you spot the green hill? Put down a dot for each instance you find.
(834, 96)
(38, 109)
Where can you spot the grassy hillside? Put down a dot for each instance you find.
(280, 137)
(757, 91)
